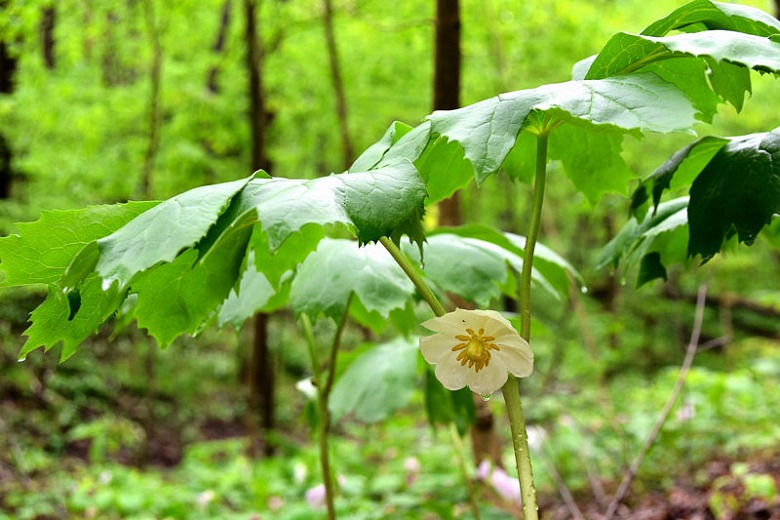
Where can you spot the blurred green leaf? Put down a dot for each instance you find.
(340, 268)
(445, 406)
(377, 383)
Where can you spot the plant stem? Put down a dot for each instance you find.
(510, 390)
(533, 235)
(458, 445)
(408, 268)
(323, 395)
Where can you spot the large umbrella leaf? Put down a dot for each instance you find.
(487, 131)
(43, 250)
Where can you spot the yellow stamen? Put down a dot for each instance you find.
(475, 349)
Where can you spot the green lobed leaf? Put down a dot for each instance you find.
(592, 159)
(340, 268)
(665, 217)
(731, 81)
(477, 270)
(159, 234)
(254, 294)
(57, 320)
(487, 131)
(678, 171)
(694, 77)
(707, 14)
(403, 320)
(43, 249)
(738, 192)
(374, 153)
(377, 383)
(178, 297)
(372, 204)
(626, 53)
(444, 155)
(661, 245)
(550, 269)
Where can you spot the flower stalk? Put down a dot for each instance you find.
(406, 265)
(511, 390)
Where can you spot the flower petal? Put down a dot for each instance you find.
(454, 322)
(450, 373)
(493, 316)
(432, 347)
(517, 357)
(489, 379)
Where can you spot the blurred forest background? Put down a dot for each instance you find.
(106, 101)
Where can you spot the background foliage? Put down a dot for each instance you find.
(73, 435)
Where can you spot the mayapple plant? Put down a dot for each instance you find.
(224, 252)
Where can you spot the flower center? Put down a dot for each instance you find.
(474, 349)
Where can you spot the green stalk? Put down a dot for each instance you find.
(323, 395)
(408, 268)
(438, 309)
(511, 390)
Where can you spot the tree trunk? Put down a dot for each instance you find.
(152, 145)
(219, 46)
(48, 18)
(155, 82)
(111, 70)
(261, 373)
(8, 64)
(446, 84)
(338, 84)
(446, 96)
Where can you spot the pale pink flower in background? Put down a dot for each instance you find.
(412, 467)
(475, 348)
(315, 496)
(275, 503)
(507, 487)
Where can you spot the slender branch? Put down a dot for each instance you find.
(659, 424)
(458, 445)
(405, 264)
(323, 396)
(560, 484)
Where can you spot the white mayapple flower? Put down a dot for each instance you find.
(475, 349)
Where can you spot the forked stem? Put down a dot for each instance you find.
(323, 396)
(510, 389)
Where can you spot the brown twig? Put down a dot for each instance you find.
(686, 365)
(560, 484)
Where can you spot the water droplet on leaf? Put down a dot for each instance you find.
(21, 359)
(584, 289)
